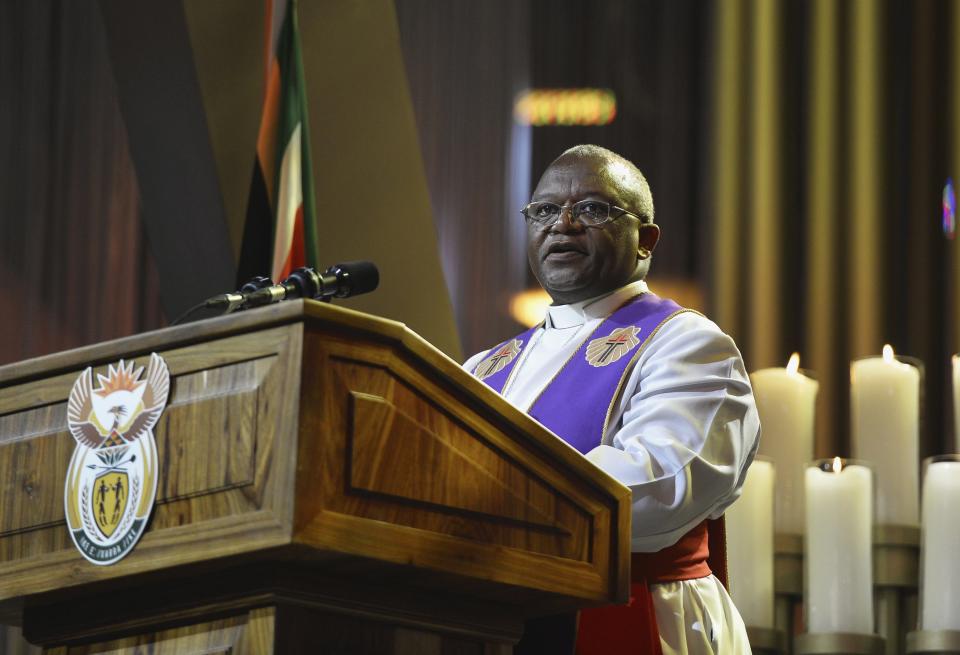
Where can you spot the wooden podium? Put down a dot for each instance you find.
(329, 483)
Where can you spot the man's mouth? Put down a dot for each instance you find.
(563, 250)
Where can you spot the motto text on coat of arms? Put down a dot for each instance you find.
(112, 479)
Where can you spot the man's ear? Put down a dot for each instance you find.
(649, 237)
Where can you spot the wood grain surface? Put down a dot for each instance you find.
(287, 629)
(227, 401)
(311, 457)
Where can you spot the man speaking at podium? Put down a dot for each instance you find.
(655, 395)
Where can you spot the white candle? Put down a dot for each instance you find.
(839, 525)
(956, 401)
(785, 400)
(749, 523)
(885, 421)
(941, 546)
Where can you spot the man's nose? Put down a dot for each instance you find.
(566, 224)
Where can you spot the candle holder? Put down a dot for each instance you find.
(786, 400)
(767, 641)
(886, 400)
(896, 561)
(934, 642)
(839, 643)
(787, 583)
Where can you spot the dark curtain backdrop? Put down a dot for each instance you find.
(833, 131)
(467, 60)
(653, 55)
(74, 266)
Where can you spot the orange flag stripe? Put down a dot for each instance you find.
(269, 123)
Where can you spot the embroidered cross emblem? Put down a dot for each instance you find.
(611, 343)
(499, 359)
(604, 351)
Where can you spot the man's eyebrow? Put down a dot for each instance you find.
(585, 195)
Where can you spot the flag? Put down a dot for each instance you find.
(280, 232)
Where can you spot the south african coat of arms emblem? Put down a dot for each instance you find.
(112, 479)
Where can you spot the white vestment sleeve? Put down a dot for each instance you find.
(686, 432)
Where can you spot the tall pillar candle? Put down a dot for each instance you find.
(956, 401)
(749, 527)
(839, 563)
(940, 585)
(786, 399)
(885, 421)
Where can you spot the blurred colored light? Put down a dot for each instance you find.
(949, 210)
(529, 307)
(540, 107)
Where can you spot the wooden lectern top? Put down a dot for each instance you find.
(309, 447)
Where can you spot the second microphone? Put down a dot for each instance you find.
(338, 281)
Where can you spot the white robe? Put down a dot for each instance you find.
(686, 413)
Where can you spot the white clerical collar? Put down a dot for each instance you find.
(578, 313)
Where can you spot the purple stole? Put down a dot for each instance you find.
(577, 403)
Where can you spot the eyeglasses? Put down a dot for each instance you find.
(589, 213)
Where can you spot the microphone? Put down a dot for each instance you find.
(338, 281)
(232, 300)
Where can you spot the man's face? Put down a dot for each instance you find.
(573, 262)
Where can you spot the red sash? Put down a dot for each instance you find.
(631, 629)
